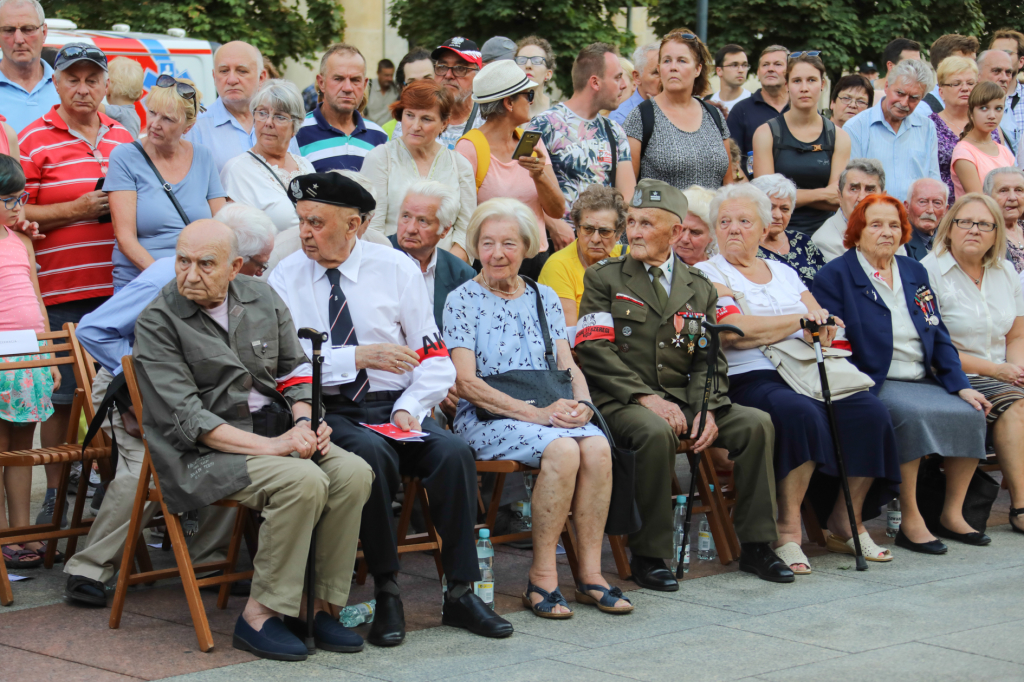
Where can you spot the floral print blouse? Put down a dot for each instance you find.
(803, 256)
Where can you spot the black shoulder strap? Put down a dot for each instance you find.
(471, 121)
(163, 183)
(828, 143)
(647, 121)
(776, 128)
(267, 166)
(934, 103)
(830, 135)
(614, 144)
(715, 114)
(548, 351)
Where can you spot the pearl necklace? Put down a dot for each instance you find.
(499, 291)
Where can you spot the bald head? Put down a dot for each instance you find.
(996, 66)
(206, 262)
(238, 73)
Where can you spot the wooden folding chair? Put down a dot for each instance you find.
(184, 568)
(65, 455)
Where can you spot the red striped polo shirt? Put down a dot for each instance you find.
(74, 260)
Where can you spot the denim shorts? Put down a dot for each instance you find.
(72, 311)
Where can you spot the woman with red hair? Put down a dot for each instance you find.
(896, 334)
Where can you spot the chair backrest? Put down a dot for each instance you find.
(50, 344)
(128, 364)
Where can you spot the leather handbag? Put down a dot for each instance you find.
(537, 387)
(623, 514)
(931, 495)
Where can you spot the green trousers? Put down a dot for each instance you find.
(746, 433)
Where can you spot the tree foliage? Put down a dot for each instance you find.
(569, 25)
(276, 27)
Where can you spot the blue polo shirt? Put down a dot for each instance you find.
(906, 155)
(21, 107)
(746, 117)
(328, 148)
(222, 134)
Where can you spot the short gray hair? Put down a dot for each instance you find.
(34, 3)
(698, 202)
(489, 110)
(740, 192)
(447, 210)
(915, 71)
(990, 179)
(867, 166)
(254, 230)
(919, 181)
(778, 186)
(278, 94)
(509, 209)
(640, 56)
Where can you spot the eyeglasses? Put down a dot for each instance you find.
(736, 65)
(9, 31)
(589, 231)
(184, 90)
(262, 115)
(536, 61)
(958, 84)
(847, 101)
(12, 203)
(72, 52)
(982, 225)
(811, 53)
(460, 71)
(261, 267)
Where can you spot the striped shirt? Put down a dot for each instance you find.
(906, 155)
(60, 166)
(327, 148)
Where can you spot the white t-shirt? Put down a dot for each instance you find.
(744, 94)
(257, 401)
(780, 296)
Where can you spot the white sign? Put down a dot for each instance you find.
(20, 342)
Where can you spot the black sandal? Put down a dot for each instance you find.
(544, 608)
(609, 597)
(86, 591)
(1016, 513)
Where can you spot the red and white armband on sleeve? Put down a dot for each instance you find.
(595, 327)
(303, 374)
(727, 306)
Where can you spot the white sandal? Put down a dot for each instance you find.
(792, 555)
(868, 548)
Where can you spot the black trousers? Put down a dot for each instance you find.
(443, 462)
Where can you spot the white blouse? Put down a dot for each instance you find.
(780, 296)
(392, 170)
(907, 351)
(249, 182)
(977, 320)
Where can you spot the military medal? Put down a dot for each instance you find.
(677, 322)
(925, 300)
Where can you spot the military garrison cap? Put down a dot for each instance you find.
(657, 194)
(331, 188)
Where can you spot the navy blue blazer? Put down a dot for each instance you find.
(843, 288)
(450, 273)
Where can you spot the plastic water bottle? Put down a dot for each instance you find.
(484, 588)
(750, 163)
(680, 543)
(351, 616)
(893, 518)
(705, 542)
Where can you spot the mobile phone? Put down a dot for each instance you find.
(105, 218)
(526, 144)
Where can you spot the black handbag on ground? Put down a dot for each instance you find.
(623, 514)
(931, 494)
(538, 387)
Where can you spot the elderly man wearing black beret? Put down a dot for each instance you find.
(386, 364)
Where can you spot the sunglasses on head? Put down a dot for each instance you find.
(72, 52)
(806, 53)
(184, 90)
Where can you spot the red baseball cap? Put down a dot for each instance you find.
(464, 47)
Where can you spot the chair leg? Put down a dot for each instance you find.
(492, 510)
(814, 532)
(142, 559)
(233, 547)
(618, 544)
(252, 532)
(362, 570)
(76, 514)
(431, 531)
(571, 550)
(131, 543)
(58, 513)
(6, 593)
(721, 526)
(188, 580)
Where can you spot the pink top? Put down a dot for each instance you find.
(5, 144)
(507, 180)
(19, 307)
(982, 161)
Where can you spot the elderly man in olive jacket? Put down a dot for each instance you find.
(226, 389)
(641, 345)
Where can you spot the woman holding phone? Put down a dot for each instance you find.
(506, 161)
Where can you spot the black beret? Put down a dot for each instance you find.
(332, 188)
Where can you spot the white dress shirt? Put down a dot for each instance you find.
(666, 273)
(907, 350)
(977, 320)
(388, 303)
(428, 276)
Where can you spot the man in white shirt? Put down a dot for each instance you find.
(997, 66)
(731, 67)
(386, 363)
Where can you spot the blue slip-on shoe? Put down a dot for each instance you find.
(273, 641)
(328, 634)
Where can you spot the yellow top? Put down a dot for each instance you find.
(563, 272)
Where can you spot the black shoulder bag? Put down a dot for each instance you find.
(163, 183)
(623, 514)
(537, 387)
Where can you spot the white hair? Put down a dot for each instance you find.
(34, 3)
(990, 179)
(281, 95)
(913, 70)
(447, 210)
(698, 202)
(778, 186)
(254, 231)
(365, 183)
(921, 181)
(743, 192)
(509, 209)
(640, 56)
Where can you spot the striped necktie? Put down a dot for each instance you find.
(343, 333)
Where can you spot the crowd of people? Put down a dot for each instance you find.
(451, 226)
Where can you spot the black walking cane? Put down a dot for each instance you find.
(713, 331)
(814, 328)
(317, 339)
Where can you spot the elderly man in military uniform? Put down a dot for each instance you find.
(640, 344)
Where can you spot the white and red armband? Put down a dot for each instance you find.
(594, 327)
(727, 306)
(433, 347)
(303, 374)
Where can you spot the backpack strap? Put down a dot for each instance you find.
(830, 136)
(483, 154)
(609, 132)
(715, 114)
(773, 125)
(647, 121)
(828, 144)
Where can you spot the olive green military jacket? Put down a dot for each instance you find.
(194, 376)
(628, 345)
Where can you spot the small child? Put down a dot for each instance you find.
(124, 89)
(24, 393)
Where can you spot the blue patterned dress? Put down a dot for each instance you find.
(505, 335)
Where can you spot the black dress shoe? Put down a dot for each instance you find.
(932, 547)
(653, 574)
(328, 633)
(976, 538)
(758, 558)
(471, 613)
(388, 627)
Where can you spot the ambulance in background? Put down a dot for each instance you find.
(158, 53)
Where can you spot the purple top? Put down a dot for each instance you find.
(947, 141)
